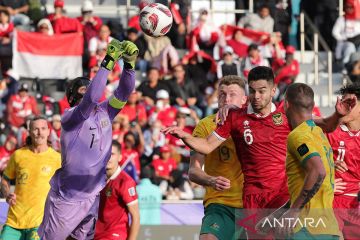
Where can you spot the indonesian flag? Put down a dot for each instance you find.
(37, 55)
(249, 36)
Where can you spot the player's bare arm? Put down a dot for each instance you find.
(5, 191)
(201, 145)
(197, 175)
(315, 175)
(342, 108)
(135, 221)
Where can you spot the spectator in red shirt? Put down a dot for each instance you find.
(63, 104)
(118, 200)
(62, 23)
(163, 111)
(20, 106)
(59, 11)
(164, 164)
(286, 70)
(91, 24)
(6, 27)
(6, 151)
(134, 110)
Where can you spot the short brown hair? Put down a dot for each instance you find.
(301, 96)
(232, 79)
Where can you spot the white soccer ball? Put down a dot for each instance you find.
(155, 19)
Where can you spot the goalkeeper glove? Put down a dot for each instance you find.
(113, 53)
(129, 54)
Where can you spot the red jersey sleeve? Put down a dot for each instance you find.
(223, 131)
(128, 190)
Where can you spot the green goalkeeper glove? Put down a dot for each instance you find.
(129, 54)
(113, 53)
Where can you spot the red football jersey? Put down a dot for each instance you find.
(113, 221)
(346, 147)
(260, 146)
(163, 168)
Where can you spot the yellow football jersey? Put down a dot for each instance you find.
(32, 173)
(221, 162)
(305, 141)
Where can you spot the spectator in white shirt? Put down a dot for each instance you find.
(346, 31)
(261, 21)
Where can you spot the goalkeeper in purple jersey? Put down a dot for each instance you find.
(72, 203)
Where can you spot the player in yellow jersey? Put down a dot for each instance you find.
(310, 172)
(31, 167)
(222, 175)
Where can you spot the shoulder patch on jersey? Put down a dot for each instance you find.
(277, 119)
(303, 149)
(132, 191)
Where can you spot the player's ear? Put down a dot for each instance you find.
(273, 89)
(243, 100)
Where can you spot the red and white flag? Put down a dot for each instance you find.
(36, 55)
(249, 36)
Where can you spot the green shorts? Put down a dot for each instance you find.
(220, 221)
(304, 234)
(9, 233)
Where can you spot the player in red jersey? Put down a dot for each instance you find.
(117, 200)
(345, 141)
(259, 132)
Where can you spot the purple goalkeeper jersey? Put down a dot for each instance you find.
(86, 139)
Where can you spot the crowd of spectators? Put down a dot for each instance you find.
(177, 78)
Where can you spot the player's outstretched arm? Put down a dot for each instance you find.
(342, 108)
(95, 90)
(127, 80)
(197, 175)
(201, 145)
